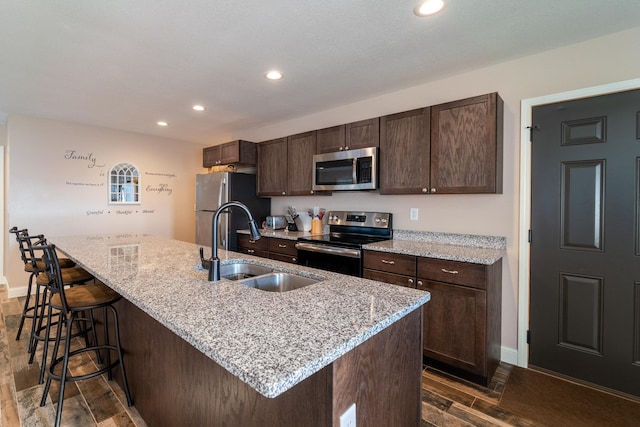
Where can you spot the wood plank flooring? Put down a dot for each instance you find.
(446, 400)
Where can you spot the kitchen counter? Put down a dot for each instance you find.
(271, 341)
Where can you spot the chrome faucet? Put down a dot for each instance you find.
(214, 264)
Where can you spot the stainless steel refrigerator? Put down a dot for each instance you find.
(214, 189)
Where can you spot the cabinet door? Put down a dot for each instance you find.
(362, 134)
(466, 145)
(301, 149)
(272, 171)
(455, 325)
(331, 139)
(404, 152)
(210, 156)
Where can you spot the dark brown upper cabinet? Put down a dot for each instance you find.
(301, 148)
(466, 145)
(352, 136)
(448, 148)
(234, 152)
(272, 168)
(404, 152)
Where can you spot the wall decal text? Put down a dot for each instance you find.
(89, 158)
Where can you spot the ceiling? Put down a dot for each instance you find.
(126, 64)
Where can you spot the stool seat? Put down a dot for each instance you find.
(40, 266)
(70, 276)
(86, 297)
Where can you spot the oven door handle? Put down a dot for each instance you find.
(331, 250)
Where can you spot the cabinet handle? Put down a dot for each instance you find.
(311, 192)
(384, 261)
(346, 148)
(284, 193)
(341, 148)
(280, 245)
(411, 281)
(294, 259)
(444, 270)
(433, 190)
(252, 241)
(424, 190)
(250, 251)
(419, 282)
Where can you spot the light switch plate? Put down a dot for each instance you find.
(413, 215)
(348, 418)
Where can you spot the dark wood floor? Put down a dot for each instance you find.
(446, 400)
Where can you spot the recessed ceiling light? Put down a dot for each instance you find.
(163, 123)
(274, 75)
(428, 7)
(198, 107)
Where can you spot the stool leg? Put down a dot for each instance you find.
(26, 308)
(65, 366)
(45, 343)
(43, 401)
(39, 313)
(122, 370)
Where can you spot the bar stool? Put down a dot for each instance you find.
(71, 303)
(70, 276)
(33, 268)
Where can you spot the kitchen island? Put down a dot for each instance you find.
(221, 353)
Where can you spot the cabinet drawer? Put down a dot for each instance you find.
(245, 241)
(390, 263)
(460, 273)
(254, 252)
(293, 259)
(283, 246)
(394, 279)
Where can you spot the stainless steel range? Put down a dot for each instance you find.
(341, 249)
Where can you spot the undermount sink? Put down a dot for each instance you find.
(278, 282)
(242, 270)
(264, 278)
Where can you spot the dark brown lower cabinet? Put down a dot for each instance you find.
(269, 247)
(174, 384)
(462, 321)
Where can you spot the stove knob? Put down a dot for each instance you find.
(384, 220)
(377, 220)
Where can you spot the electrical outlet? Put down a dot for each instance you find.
(413, 215)
(348, 418)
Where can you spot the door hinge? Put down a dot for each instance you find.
(531, 129)
(529, 238)
(528, 336)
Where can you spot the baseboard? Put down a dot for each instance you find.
(16, 292)
(509, 355)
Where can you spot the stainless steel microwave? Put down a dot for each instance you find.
(346, 170)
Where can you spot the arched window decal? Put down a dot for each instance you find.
(124, 184)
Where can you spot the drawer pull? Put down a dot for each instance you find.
(411, 281)
(252, 241)
(250, 251)
(280, 245)
(384, 261)
(419, 282)
(444, 270)
(294, 259)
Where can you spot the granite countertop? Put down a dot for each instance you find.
(271, 341)
(449, 246)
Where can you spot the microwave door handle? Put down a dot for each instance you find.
(355, 170)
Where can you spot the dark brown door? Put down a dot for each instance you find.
(585, 252)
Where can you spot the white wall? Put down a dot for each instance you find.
(595, 62)
(57, 184)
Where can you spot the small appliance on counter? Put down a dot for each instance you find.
(278, 222)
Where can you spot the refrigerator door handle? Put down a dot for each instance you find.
(223, 184)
